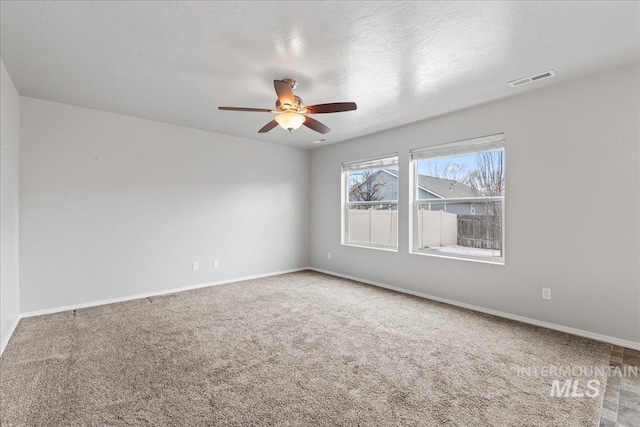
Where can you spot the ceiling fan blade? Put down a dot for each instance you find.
(268, 126)
(285, 94)
(313, 124)
(257, 110)
(333, 107)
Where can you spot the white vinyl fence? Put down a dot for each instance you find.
(437, 228)
(373, 227)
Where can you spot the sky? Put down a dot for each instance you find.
(452, 167)
(453, 164)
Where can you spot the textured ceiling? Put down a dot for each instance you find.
(176, 62)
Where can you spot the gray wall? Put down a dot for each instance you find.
(114, 206)
(564, 143)
(9, 202)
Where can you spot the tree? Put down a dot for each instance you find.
(487, 179)
(367, 186)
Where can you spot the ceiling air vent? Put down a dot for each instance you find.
(527, 80)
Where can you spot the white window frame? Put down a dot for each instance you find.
(371, 163)
(468, 146)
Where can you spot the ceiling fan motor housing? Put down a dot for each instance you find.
(293, 84)
(297, 105)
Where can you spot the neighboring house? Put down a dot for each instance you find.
(429, 187)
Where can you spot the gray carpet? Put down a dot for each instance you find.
(293, 350)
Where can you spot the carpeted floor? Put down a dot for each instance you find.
(297, 349)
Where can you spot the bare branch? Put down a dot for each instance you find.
(487, 179)
(367, 185)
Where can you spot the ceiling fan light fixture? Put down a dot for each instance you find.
(291, 113)
(290, 120)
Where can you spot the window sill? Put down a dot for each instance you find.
(377, 248)
(458, 257)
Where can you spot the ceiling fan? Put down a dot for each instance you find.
(291, 113)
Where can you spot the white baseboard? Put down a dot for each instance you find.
(154, 294)
(5, 341)
(579, 332)
(573, 331)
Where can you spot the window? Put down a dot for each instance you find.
(458, 197)
(370, 203)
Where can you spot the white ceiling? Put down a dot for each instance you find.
(176, 62)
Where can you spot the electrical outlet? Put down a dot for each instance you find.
(329, 255)
(546, 293)
(195, 266)
(215, 263)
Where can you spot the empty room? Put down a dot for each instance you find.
(318, 213)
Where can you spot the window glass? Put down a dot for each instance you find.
(371, 205)
(459, 200)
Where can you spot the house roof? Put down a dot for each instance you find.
(444, 188)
